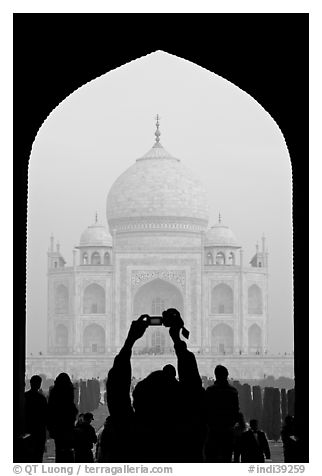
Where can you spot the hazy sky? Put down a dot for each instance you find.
(215, 128)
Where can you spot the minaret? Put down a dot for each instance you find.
(264, 254)
(55, 258)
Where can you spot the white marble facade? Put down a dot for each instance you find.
(158, 252)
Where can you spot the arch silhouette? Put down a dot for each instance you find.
(255, 300)
(94, 299)
(222, 299)
(94, 339)
(61, 299)
(222, 339)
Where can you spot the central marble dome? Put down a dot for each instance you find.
(157, 192)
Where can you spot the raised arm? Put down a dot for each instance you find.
(119, 377)
(187, 365)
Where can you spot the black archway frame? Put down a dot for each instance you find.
(264, 54)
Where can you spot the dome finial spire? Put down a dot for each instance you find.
(96, 218)
(157, 132)
(219, 218)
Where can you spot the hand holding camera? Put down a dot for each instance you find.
(138, 328)
(170, 318)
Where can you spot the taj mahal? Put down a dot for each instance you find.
(159, 251)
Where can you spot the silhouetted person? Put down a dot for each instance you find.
(36, 419)
(163, 424)
(254, 445)
(80, 419)
(61, 418)
(239, 429)
(85, 438)
(221, 409)
(170, 371)
(105, 443)
(289, 440)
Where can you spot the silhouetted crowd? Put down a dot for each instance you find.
(160, 418)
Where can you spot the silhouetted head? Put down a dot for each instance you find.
(155, 397)
(35, 382)
(221, 373)
(169, 371)
(63, 380)
(253, 424)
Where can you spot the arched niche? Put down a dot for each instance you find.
(95, 258)
(152, 298)
(209, 258)
(220, 258)
(61, 338)
(94, 339)
(61, 299)
(158, 341)
(255, 339)
(222, 339)
(107, 259)
(222, 299)
(231, 258)
(255, 300)
(94, 299)
(85, 258)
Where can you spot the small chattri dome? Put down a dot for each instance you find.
(220, 235)
(95, 235)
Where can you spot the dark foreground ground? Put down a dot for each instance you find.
(100, 415)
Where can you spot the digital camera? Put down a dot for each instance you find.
(170, 318)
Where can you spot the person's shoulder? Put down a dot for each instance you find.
(232, 388)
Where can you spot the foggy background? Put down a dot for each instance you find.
(217, 130)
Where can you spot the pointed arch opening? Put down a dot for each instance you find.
(255, 300)
(94, 339)
(61, 299)
(107, 259)
(220, 258)
(255, 339)
(222, 299)
(222, 339)
(152, 298)
(95, 258)
(61, 339)
(231, 259)
(94, 299)
(210, 258)
(85, 258)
